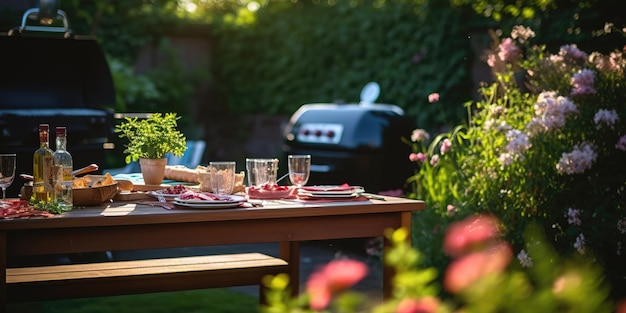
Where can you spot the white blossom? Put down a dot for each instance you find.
(605, 117)
(577, 161)
(573, 217)
(580, 244)
(524, 259)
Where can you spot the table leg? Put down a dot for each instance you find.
(388, 272)
(3, 271)
(290, 251)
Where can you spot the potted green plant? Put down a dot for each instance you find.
(149, 140)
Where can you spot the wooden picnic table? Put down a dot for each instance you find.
(134, 226)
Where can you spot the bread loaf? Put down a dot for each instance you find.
(181, 173)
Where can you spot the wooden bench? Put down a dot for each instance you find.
(44, 283)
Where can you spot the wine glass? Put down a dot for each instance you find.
(299, 169)
(7, 171)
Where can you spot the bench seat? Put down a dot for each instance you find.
(113, 278)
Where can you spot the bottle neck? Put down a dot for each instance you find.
(61, 142)
(43, 139)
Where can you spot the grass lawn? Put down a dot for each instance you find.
(222, 300)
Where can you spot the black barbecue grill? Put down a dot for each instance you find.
(358, 143)
(59, 80)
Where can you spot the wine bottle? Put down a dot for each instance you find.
(63, 166)
(43, 167)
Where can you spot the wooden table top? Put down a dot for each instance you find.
(132, 213)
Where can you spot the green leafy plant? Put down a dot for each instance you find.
(152, 137)
(542, 146)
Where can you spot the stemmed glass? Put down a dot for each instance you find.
(299, 169)
(7, 171)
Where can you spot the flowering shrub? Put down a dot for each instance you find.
(546, 144)
(482, 278)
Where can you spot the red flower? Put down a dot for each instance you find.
(332, 278)
(424, 305)
(462, 237)
(468, 269)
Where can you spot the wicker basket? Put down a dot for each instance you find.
(91, 196)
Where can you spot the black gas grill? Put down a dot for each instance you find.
(60, 81)
(359, 144)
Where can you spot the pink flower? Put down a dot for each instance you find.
(336, 276)
(419, 135)
(509, 52)
(418, 157)
(583, 82)
(572, 52)
(446, 145)
(469, 269)
(451, 209)
(434, 160)
(426, 304)
(433, 97)
(522, 33)
(473, 231)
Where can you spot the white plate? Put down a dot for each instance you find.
(329, 196)
(168, 196)
(207, 205)
(330, 190)
(231, 199)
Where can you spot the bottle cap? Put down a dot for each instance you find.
(61, 131)
(44, 127)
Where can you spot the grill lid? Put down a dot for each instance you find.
(344, 126)
(54, 73)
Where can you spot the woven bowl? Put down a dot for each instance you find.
(90, 196)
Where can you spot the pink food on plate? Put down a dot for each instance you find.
(273, 191)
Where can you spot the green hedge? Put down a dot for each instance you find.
(306, 52)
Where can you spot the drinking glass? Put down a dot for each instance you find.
(299, 169)
(222, 177)
(261, 171)
(7, 171)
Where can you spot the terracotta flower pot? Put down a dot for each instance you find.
(153, 170)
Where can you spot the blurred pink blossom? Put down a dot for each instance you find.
(451, 209)
(446, 145)
(335, 276)
(509, 52)
(419, 135)
(461, 237)
(418, 157)
(426, 304)
(433, 97)
(434, 160)
(467, 270)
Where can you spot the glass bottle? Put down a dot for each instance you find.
(63, 167)
(43, 167)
